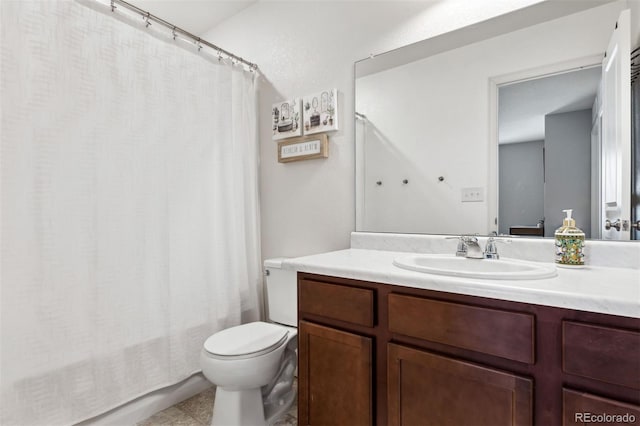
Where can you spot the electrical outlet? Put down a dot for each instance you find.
(472, 195)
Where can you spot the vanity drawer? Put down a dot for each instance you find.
(576, 406)
(504, 334)
(602, 353)
(350, 304)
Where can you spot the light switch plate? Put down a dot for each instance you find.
(472, 195)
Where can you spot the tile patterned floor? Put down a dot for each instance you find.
(198, 410)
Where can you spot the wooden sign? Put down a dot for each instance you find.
(304, 148)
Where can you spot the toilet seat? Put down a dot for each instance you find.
(246, 341)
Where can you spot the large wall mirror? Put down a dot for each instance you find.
(498, 127)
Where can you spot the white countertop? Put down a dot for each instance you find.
(598, 289)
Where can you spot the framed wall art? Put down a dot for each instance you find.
(320, 112)
(303, 148)
(286, 119)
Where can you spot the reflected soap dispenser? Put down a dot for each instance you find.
(569, 243)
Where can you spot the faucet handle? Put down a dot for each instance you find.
(461, 250)
(491, 250)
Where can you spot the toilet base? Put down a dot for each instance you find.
(246, 407)
(285, 404)
(241, 407)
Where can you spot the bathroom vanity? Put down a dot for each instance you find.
(384, 337)
(380, 345)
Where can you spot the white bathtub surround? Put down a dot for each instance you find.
(595, 288)
(129, 210)
(144, 407)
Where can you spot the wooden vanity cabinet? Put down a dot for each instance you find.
(505, 334)
(380, 354)
(335, 369)
(437, 389)
(576, 406)
(429, 389)
(334, 376)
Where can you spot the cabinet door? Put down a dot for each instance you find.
(334, 377)
(579, 408)
(428, 389)
(613, 359)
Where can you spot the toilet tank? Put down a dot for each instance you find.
(281, 293)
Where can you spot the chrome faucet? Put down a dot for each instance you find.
(469, 247)
(473, 248)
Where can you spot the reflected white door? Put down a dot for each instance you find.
(596, 174)
(616, 131)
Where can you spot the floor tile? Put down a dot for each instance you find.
(171, 416)
(287, 420)
(200, 406)
(198, 411)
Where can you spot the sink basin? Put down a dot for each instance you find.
(495, 269)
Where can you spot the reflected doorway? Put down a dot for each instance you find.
(548, 153)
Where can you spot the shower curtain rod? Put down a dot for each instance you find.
(177, 30)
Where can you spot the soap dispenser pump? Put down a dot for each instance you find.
(569, 242)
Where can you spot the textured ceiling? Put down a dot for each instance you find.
(195, 16)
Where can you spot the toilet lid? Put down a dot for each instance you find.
(246, 339)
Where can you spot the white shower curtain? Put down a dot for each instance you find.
(129, 228)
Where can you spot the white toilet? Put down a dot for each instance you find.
(253, 365)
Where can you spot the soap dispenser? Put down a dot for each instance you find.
(569, 243)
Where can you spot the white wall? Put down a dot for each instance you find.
(425, 121)
(306, 46)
